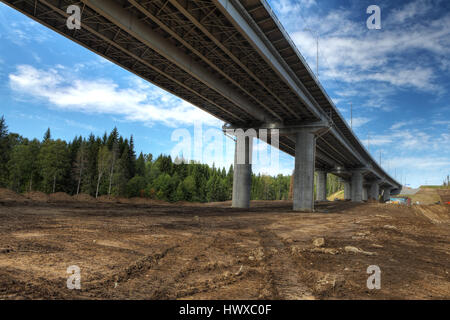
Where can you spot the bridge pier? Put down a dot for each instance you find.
(321, 185)
(386, 193)
(374, 191)
(347, 189)
(357, 186)
(242, 175)
(305, 149)
(365, 196)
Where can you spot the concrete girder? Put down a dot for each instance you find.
(267, 51)
(218, 43)
(112, 43)
(200, 55)
(114, 12)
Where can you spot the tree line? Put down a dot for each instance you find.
(108, 165)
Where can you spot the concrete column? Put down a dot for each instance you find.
(347, 190)
(365, 194)
(374, 190)
(305, 150)
(242, 176)
(357, 186)
(321, 186)
(386, 194)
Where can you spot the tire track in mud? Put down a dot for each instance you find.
(132, 271)
(179, 286)
(175, 288)
(282, 274)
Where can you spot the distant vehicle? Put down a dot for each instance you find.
(404, 201)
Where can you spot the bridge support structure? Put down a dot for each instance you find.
(347, 189)
(321, 185)
(357, 186)
(375, 190)
(386, 193)
(242, 175)
(365, 195)
(305, 149)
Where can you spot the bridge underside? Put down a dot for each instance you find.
(230, 58)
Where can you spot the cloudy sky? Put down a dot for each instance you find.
(397, 79)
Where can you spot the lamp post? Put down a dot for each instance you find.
(316, 35)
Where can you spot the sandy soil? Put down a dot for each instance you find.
(153, 251)
(444, 194)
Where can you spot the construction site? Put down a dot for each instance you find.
(147, 249)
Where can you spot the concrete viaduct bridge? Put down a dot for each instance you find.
(234, 60)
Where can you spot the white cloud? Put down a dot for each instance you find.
(139, 102)
(23, 32)
(410, 10)
(420, 162)
(402, 124)
(349, 52)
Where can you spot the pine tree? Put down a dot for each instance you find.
(104, 160)
(53, 163)
(88, 184)
(4, 152)
(47, 135)
(131, 159)
(140, 165)
(80, 164)
(113, 145)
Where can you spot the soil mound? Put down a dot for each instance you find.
(37, 196)
(83, 197)
(60, 196)
(445, 195)
(9, 195)
(435, 213)
(107, 199)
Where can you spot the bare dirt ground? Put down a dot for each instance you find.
(444, 194)
(162, 251)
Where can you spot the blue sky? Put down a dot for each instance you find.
(396, 78)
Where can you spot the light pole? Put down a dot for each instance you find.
(316, 35)
(351, 115)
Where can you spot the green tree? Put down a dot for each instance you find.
(104, 161)
(136, 186)
(23, 166)
(53, 163)
(47, 135)
(80, 164)
(140, 165)
(163, 186)
(4, 152)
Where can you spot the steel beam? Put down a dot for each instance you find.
(115, 13)
(269, 54)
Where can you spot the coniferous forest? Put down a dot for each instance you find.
(108, 165)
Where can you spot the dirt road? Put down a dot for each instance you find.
(144, 251)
